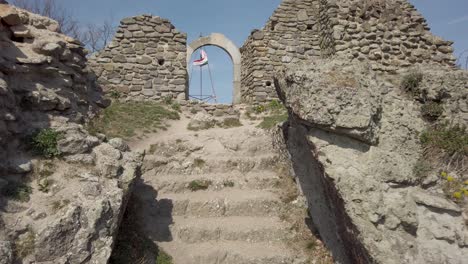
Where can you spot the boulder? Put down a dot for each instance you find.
(9, 15)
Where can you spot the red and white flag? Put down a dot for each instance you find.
(203, 59)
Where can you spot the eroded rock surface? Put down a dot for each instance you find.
(55, 210)
(358, 173)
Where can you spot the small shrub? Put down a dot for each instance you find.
(231, 122)
(58, 205)
(454, 188)
(271, 121)
(193, 111)
(25, 245)
(228, 184)
(422, 168)
(44, 185)
(153, 148)
(275, 105)
(168, 100)
(163, 258)
(432, 110)
(114, 94)
(176, 107)
(17, 191)
(45, 141)
(199, 163)
(259, 109)
(198, 185)
(410, 83)
(450, 139)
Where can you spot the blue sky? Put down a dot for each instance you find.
(235, 19)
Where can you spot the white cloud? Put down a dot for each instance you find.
(458, 20)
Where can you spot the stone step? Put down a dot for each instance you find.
(223, 252)
(219, 181)
(216, 204)
(236, 228)
(204, 164)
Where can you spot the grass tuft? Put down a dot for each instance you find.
(410, 83)
(271, 121)
(25, 245)
(17, 191)
(199, 185)
(450, 139)
(124, 119)
(44, 142)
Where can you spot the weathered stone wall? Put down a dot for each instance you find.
(146, 60)
(389, 34)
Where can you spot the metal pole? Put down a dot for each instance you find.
(213, 92)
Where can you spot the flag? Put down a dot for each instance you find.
(203, 59)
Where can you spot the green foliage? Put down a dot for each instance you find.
(450, 139)
(44, 142)
(199, 163)
(124, 119)
(25, 245)
(168, 100)
(230, 122)
(198, 185)
(114, 94)
(45, 184)
(17, 191)
(410, 83)
(422, 168)
(271, 121)
(163, 258)
(275, 105)
(58, 205)
(176, 107)
(228, 184)
(259, 109)
(453, 187)
(432, 110)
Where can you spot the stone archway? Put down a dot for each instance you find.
(221, 41)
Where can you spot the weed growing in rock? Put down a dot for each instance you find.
(453, 187)
(25, 245)
(163, 258)
(230, 122)
(410, 83)
(422, 168)
(114, 94)
(228, 184)
(450, 139)
(199, 185)
(432, 110)
(199, 163)
(58, 205)
(17, 191)
(168, 100)
(45, 184)
(271, 121)
(44, 142)
(125, 119)
(176, 107)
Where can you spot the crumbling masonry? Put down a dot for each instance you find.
(147, 58)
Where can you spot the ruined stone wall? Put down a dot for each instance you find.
(146, 60)
(390, 34)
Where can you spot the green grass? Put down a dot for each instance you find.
(432, 110)
(228, 184)
(124, 119)
(230, 122)
(271, 121)
(17, 191)
(411, 82)
(25, 245)
(199, 163)
(451, 139)
(199, 185)
(44, 142)
(163, 258)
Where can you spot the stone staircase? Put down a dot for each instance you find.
(237, 217)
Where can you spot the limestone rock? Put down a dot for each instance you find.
(9, 15)
(6, 253)
(335, 97)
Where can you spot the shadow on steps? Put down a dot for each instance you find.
(142, 226)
